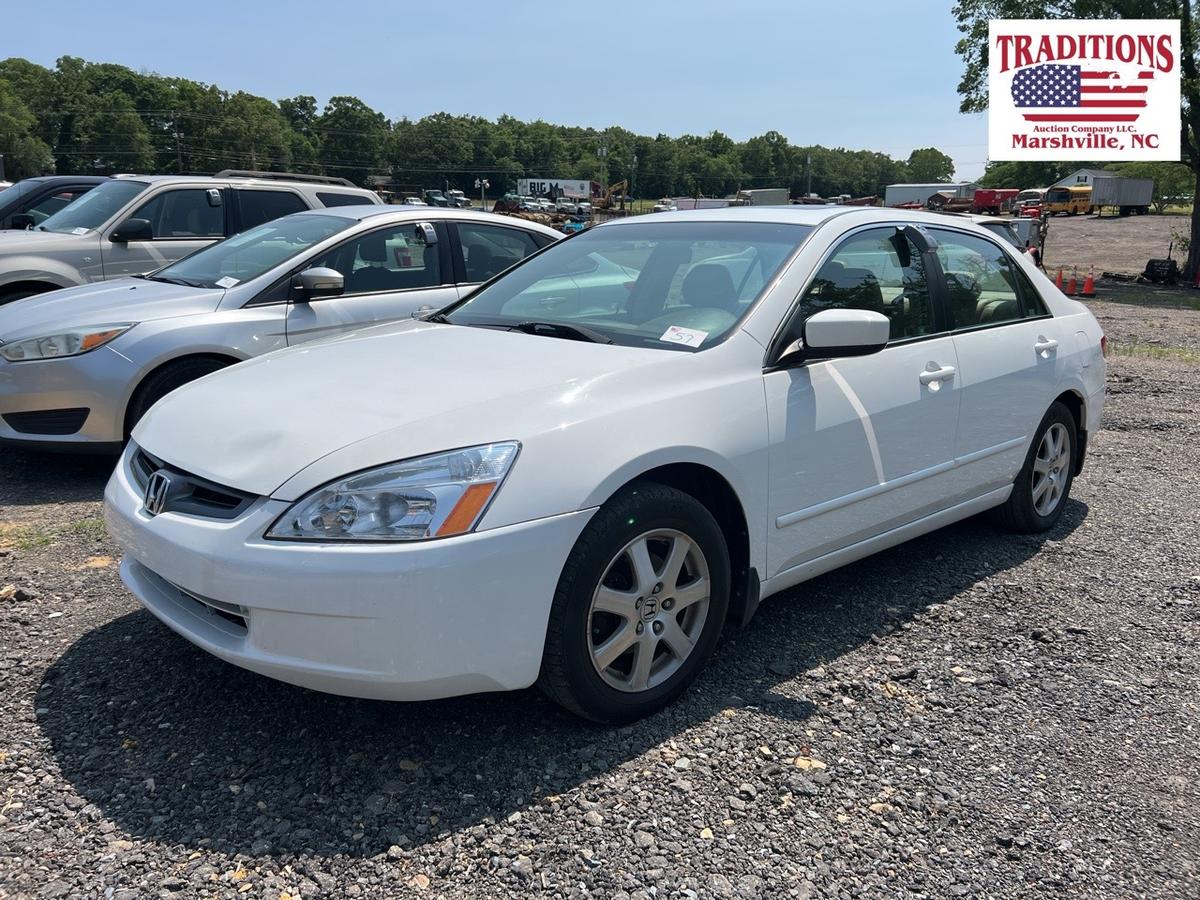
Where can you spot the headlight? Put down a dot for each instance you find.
(66, 343)
(428, 497)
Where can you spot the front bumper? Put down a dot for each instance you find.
(386, 621)
(98, 382)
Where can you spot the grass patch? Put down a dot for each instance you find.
(31, 537)
(1142, 350)
(91, 527)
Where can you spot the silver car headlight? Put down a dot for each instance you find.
(65, 343)
(412, 500)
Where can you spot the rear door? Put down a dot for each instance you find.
(390, 273)
(258, 205)
(483, 250)
(1008, 351)
(183, 219)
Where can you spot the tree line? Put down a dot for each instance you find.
(85, 117)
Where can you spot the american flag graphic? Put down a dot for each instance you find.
(1076, 94)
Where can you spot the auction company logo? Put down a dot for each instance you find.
(1061, 89)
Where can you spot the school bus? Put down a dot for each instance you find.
(1069, 200)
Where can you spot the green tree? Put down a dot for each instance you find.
(24, 153)
(929, 165)
(972, 17)
(353, 138)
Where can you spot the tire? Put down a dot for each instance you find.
(165, 380)
(599, 577)
(21, 294)
(1023, 513)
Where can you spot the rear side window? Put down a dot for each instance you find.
(981, 281)
(263, 206)
(48, 206)
(185, 213)
(879, 270)
(328, 198)
(490, 249)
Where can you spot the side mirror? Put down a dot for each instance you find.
(426, 234)
(318, 283)
(132, 230)
(834, 333)
(23, 221)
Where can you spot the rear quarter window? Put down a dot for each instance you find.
(329, 198)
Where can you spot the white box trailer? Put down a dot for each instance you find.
(1128, 195)
(702, 202)
(897, 194)
(765, 196)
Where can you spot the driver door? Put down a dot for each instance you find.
(183, 220)
(390, 273)
(862, 445)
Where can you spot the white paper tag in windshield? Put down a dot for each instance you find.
(227, 282)
(79, 231)
(689, 337)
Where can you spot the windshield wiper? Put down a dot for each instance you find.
(563, 330)
(439, 317)
(186, 282)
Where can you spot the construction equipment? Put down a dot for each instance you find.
(619, 189)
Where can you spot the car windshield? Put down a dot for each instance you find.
(682, 285)
(94, 208)
(252, 253)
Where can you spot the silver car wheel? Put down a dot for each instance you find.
(1051, 469)
(649, 610)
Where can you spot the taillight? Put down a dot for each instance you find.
(1103, 345)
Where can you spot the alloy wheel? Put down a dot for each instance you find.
(1051, 469)
(649, 610)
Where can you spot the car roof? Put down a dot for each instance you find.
(400, 213)
(798, 214)
(236, 179)
(66, 179)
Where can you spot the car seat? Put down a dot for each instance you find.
(374, 276)
(710, 285)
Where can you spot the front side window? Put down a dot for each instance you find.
(254, 252)
(94, 208)
(879, 270)
(680, 285)
(48, 206)
(184, 213)
(981, 281)
(263, 206)
(389, 259)
(490, 249)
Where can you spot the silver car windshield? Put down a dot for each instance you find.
(252, 253)
(670, 285)
(94, 208)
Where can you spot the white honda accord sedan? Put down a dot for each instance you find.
(578, 474)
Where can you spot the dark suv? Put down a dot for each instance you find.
(33, 200)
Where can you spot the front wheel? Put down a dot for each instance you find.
(1041, 489)
(639, 606)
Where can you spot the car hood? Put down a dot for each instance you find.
(391, 393)
(21, 241)
(108, 302)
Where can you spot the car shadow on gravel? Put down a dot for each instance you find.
(29, 478)
(173, 745)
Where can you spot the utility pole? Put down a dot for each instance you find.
(807, 175)
(178, 147)
(603, 154)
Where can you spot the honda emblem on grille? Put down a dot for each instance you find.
(158, 488)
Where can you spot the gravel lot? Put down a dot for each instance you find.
(1111, 243)
(970, 714)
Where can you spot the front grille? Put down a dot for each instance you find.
(47, 421)
(190, 494)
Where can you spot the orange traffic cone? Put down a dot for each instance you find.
(1089, 284)
(1058, 282)
(1072, 285)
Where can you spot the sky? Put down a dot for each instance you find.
(862, 74)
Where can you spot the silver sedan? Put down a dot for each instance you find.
(79, 367)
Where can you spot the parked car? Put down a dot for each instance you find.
(458, 199)
(31, 201)
(413, 201)
(566, 205)
(545, 205)
(666, 204)
(529, 204)
(130, 225)
(586, 492)
(79, 367)
(583, 208)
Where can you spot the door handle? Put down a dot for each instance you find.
(1045, 345)
(929, 376)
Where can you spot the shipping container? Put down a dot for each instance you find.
(1128, 195)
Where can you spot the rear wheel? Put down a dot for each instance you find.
(19, 294)
(639, 606)
(165, 380)
(1040, 492)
